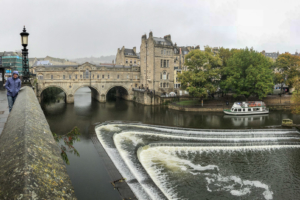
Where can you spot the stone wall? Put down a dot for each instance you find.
(30, 163)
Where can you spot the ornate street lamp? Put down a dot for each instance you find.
(24, 39)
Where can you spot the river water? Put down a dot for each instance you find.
(261, 173)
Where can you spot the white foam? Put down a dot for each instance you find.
(114, 155)
(167, 155)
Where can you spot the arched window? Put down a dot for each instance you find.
(164, 85)
(87, 74)
(40, 77)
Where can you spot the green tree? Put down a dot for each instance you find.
(289, 66)
(248, 73)
(296, 96)
(203, 73)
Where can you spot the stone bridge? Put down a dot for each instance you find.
(99, 78)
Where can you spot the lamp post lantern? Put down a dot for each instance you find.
(24, 40)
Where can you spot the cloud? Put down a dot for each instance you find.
(73, 28)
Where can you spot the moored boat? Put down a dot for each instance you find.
(247, 108)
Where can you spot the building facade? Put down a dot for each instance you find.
(127, 57)
(272, 55)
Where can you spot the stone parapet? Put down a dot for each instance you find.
(30, 163)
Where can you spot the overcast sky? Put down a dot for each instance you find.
(84, 28)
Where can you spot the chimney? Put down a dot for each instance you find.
(197, 47)
(167, 37)
(144, 37)
(150, 34)
(134, 50)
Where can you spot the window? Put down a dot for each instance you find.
(98, 76)
(244, 109)
(161, 63)
(87, 74)
(167, 63)
(167, 85)
(135, 77)
(161, 52)
(51, 76)
(135, 85)
(160, 84)
(164, 85)
(130, 61)
(40, 77)
(164, 75)
(70, 76)
(164, 51)
(80, 76)
(127, 76)
(102, 86)
(239, 110)
(167, 76)
(118, 76)
(134, 61)
(108, 76)
(64, 76)
(76, 76)
(93, 76)
(102, 76)
(126, 62)
(249, 109)
(235, 110)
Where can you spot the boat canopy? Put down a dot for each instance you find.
(248, 104)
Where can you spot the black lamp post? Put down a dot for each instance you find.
(24, 39)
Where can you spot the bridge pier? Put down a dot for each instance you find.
(69, 98)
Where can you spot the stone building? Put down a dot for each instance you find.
(127, 57)
(272, 55)
(159, 58)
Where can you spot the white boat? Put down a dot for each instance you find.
(247, 108)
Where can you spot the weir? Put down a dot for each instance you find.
(30, 163)
(182, 163)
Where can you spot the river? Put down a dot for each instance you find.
(88, 173)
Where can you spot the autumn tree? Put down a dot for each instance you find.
(248, 73)
(203, 73)
(289, 66)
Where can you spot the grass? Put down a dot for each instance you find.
(188, 102)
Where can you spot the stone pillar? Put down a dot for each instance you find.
(103, 98)
(95, 95)
(69, 98)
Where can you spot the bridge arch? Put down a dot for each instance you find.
(122, 91)
(40, 92)
(49, 86)
(95, 93)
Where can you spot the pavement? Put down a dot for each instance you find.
(3, 109)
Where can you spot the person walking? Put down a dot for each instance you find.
(12, 85)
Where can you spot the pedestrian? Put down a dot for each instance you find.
(12, 85)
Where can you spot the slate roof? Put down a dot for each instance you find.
(129, 52)
(162, 41)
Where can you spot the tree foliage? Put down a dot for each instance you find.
(248, 73)
(69, 140)
(296, 96)
(203, 73)
(289, 66)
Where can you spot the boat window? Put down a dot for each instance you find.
(239, 110)
(235, 110)
(244, 109)
(249, 109)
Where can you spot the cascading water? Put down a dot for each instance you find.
(176, 163)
